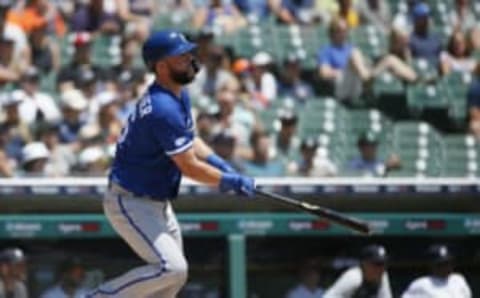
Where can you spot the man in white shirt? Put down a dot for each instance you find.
(442, 282)
(369, 280)
(36, 105)
(308, 286)
(263, 84)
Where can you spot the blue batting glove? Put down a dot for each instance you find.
(242, 185)
(220, 163)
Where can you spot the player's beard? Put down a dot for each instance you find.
(182, 77)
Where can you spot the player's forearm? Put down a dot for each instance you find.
(203, 173)
(202, 150)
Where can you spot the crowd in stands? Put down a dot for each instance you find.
(64, 100)
(367, 276)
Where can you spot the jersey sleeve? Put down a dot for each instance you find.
(415, 290)
(345, 285)
(385, 289)
(171, 134)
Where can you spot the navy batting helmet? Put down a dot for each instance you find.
(165, 43)
(374, 253)
(439, 254)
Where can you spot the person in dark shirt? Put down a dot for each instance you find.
(291, 84)
(423, 43)
(368, 162)
(94, 19)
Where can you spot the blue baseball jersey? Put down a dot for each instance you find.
(160, 126)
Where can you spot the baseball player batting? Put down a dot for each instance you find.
(156, 147)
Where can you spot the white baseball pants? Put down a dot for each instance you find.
(152, 231)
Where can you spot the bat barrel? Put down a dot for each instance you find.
(333, 216)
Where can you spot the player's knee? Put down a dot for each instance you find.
(179, 269)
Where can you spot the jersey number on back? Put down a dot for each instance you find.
(143, 108)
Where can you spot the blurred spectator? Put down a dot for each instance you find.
(462, 17)
(231, 116)
(286, 141)
(16, 130)
(219, 14)
(442, 281)
(12, 274)
(32, 14)
(62, 157)
(8, 72)
(297, 12)
(36, 106)
(45, 51)
(474, 37)
(347, 12)
(205, 41)
(92, 161)
(73, 104)
(291, 84)
(92, 17)
(398, 59)
(308, 286)
(258, 9)
(204, 123)
(423, 43)
(261, 164)
(313, 161)
(107, 117)
(86, 82)
(90, 135)
(224, 144)
(81, 62)
(342, 64)
(7, 163)
(137, 16)
(368, 161)
(18, 263)
(263, 85)
(34, 160)
(370, 279)
(129, 52)
(127, 95)
(70, 274)
(458, 57)
(473, 104)
(211, 77)
(375, 13)
(20, 55)
(64, 7)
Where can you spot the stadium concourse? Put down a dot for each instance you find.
(288, 88)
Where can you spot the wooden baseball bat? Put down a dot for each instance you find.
(333, 216)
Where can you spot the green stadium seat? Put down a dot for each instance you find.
(422, 96)
(457, 85)
(425, 71)
(371, 41)
(106, 50)
(462, 156)
(420, 147)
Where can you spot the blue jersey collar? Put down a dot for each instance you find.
(156, 86)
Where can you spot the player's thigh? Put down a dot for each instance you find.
(173, 225)
(141, 223)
